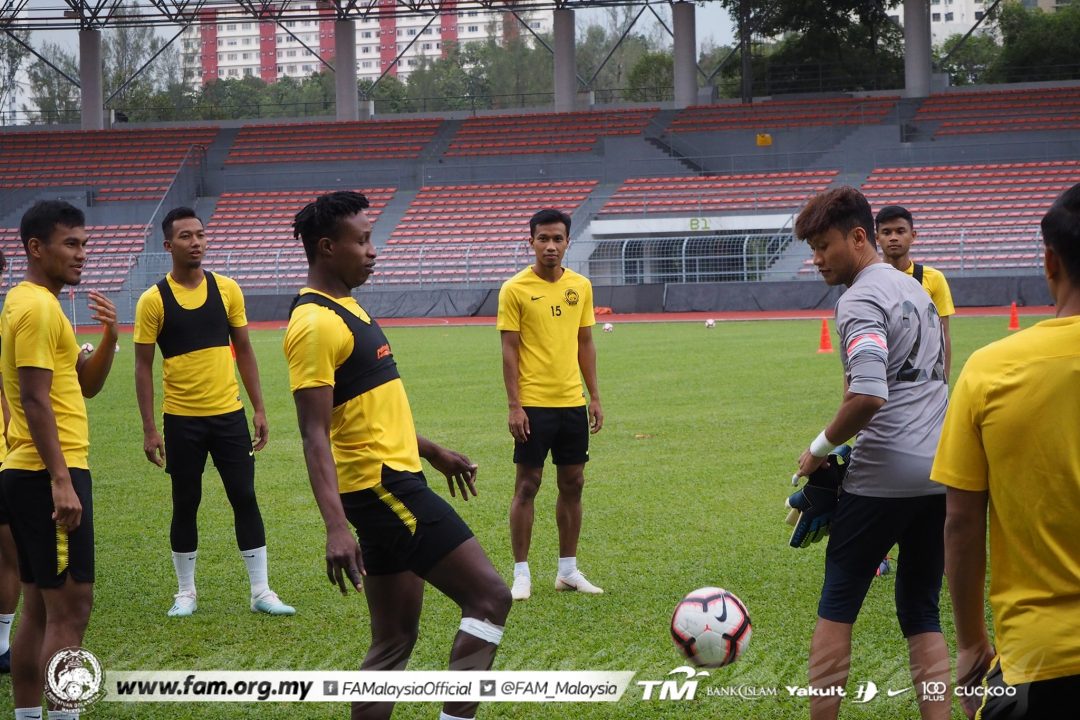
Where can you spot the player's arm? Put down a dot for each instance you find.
(511, 354)
(947, 338)
(4, 407)
(965, 566)
(457, 468)
(153, 445)
(249, 375)
(94, 368)
(855, 412)
(314, 407)
(586, 356)
(34, 386)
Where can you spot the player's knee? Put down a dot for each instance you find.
(391, 648)
(527, 487)
(491, 603)
(571, 484)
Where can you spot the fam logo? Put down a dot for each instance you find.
(674, 689)
(572, 297)
(74, 679)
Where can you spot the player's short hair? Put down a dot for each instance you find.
(43, 217)
(843, 208)
(323, 217)
(546, 216)
(180, 213)
(892, 212)
(1061, 230)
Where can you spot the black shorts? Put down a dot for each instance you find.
(5, 514)
(1027, 701)
(402, 524)
(46, 553)
(189, 438)
(564, 431)
(863, 531)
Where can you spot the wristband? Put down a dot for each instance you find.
(821, 447)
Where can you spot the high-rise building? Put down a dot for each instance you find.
(955, 17)
(233, 45)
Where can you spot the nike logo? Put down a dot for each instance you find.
(536, 297)
(250, 556)
(5, 622)
(722, 617)
(894, 693)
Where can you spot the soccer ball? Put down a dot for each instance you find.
(87, 347)
(608, 327)
(711, 627)
(710, 323)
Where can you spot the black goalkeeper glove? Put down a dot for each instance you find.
(811, 508)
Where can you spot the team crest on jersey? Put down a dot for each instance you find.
(571, 297)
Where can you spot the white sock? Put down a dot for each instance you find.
(447, 716)
(255, 559)
(5, 632)
(184, 564)
(567, 566)
(33, 713)
(63, 715)
(522, 568)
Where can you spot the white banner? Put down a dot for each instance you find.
(332, 686)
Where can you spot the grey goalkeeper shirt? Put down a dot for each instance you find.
(892, 347)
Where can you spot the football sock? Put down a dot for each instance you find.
(184, 564)
(33, 713)
(522, 568)
(255, 559)
(447, 716)
(63, 715)
(5, 632)
(567, 566)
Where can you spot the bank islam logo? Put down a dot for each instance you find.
(673, 689)
(74, 679)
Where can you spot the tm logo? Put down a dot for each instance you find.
(673, 689)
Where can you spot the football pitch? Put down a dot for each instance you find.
(685, 489)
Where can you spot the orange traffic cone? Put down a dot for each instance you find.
(1014, 319)
(825, 345)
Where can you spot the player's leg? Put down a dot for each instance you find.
(185, 458)
(27, 673)
(230, 448)
(67, 613)
(919, 574)
(394, 603)
(10, 587)
(467, 577)
(861, 534)
(529, 458)
(570, 452)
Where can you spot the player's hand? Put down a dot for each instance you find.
(154, 448)
(519, 425)
(459, 471)
(344, 560)
(808, 463)
(596, 416)
(972, 664)
(67, 510)
(262, 430)
(102, 310)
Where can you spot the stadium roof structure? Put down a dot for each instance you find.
(100, 14)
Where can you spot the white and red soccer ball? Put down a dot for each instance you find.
(608, 327)
(711, 627)
(710, 323)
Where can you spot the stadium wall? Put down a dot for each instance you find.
(993, 291)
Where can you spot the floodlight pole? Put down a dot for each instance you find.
(90, 80)
(917, 67)
(684, 36)
(565, 60)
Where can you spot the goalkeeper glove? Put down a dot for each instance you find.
(811, 508)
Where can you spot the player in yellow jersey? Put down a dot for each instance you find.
(193, 315)
(1009, 453)
(545, 319)
(895, 234)
(363, 460)
(46, 477)
(9, 564)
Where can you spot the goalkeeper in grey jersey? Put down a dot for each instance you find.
(894, 404)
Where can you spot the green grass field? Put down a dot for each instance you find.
(685, 489)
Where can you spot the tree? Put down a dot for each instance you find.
(53, 98)
(1037, 45)
(967, 64)
(12, 57)
(125, 51)
(651, 79)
